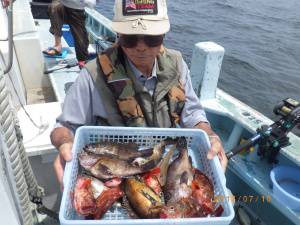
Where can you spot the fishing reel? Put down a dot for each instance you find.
(270, 139)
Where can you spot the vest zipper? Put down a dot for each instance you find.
(154, 113)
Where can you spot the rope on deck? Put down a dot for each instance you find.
(21, 177)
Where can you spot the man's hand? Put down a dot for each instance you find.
(64, 155)
(216, 144)
(217, 149)
(62, 139)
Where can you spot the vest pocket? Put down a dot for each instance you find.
(163, 115)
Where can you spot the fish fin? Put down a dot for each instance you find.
(142, 153)
(155, 210)
(105, 169)
(149, 197)
(164, 165)
(184, 178)
(86, 173)
(148, 165)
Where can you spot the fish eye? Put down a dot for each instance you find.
(172, 208)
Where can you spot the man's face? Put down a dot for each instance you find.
(141, 50)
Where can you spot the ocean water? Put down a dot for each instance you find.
(261, 40)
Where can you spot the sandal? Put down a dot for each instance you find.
(51, 51)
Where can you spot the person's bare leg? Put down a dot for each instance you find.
(57, 44)
(56, 14)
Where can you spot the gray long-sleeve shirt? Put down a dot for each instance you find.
(83, 104)
(78, 4)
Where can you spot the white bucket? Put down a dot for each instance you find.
(286, 185)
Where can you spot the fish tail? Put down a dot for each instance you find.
(147, 152)
(179, 141)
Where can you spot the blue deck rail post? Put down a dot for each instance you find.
(205, 69)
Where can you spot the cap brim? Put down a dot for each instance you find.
(148, 27)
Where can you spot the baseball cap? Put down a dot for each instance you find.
(140, 17)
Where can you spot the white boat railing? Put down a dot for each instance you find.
(9, 37)
(205, 69)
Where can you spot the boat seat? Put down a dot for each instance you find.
(37, 139)
(61, 81)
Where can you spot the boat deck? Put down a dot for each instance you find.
(61, 79)
(250, 170)
(44, 104)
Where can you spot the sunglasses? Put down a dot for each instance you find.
(131, 41)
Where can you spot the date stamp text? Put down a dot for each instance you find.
(242, 198)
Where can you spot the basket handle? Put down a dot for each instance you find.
(216, 163)
(220, 170)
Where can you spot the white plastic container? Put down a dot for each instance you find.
(286, 185)
(198, 145)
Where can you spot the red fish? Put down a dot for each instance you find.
(197, 204)
(203, 194)
(105, 201)
(84, 202)
(92, 199)
(184, 208)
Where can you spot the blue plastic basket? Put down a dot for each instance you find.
(198, 145)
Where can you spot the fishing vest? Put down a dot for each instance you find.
(127, 102)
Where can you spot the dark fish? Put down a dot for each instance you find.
(124, 151)
(106, 167)
(145, 202)
(157, 153)
(87, 161)
(179, 177)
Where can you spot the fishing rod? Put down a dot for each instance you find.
(270, 139)
(66, 64)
